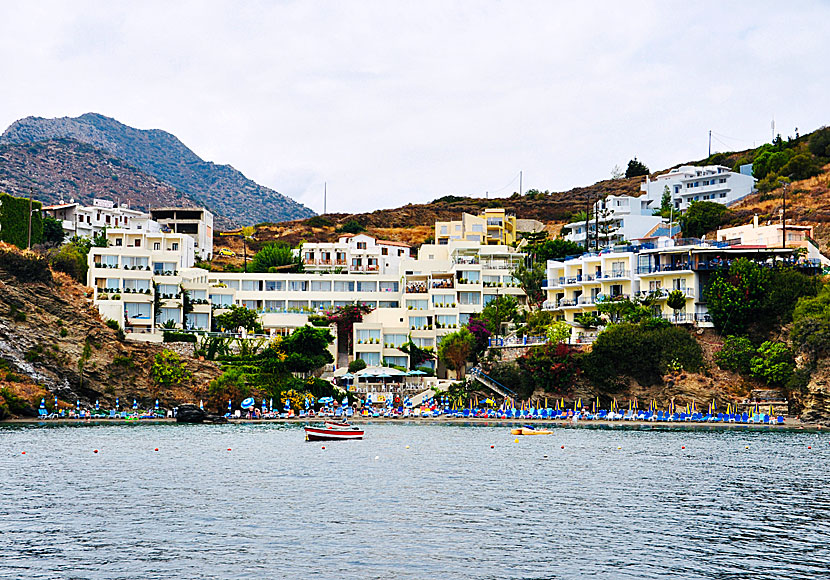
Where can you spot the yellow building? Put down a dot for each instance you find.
(493, 227)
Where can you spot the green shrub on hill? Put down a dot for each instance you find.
(25, 266)
(14, 221)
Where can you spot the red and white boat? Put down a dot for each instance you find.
(333, 431)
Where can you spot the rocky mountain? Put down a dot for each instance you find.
(64, 169)
(221, 188)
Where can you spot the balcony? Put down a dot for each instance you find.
(416, 288)
(655, 269)
(585, 300)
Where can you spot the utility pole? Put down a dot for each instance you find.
(325, 192)
(784, 220)
(710, 142)
(29, 243)
(520, 184)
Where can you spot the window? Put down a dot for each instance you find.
(399, 361)
(384, 251)
(445, 321)
(444, 230)
(418, 322)
(368, 335)
(157, 245)
(274, 285)
(394, 340)
(370, 358)
(320, 286)
(274, 305)
(367, 286)
(478, 228)
(297, 285)
(136, 310)
(197, 321)
(469, 298)
(175, 246)
(401, 252)
(168, 289)
(118, 242)
(417, 304)
(361, 245)
(250, 285)
(296, 305)
(136, 285)
(388, 286)
(389, 304)
(221, 300)
(343, 286)
(170, 315)
(443, 300)
(320, 304)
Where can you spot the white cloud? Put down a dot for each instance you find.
(393, 102)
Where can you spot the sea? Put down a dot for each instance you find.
(413, 501)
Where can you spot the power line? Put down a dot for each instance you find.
(512, 181)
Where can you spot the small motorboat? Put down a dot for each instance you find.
(529, 430)
(333, 431)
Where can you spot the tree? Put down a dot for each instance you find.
(623, 309)
(802, 166)
(53, 233)
(734, 297)
(702, 217)
(277, 257)
(736, 354)
(345, 317)
(238, 316)
(531, 280)
(555, 249)
(616, 172)
(676, 301)
(417, 355)
(499, 311)
(168, 369)
(455, 350)
(774, 363)
(351, 227)
(636, 168)
(306, 349)
(558, 331)
(665, 202)
(618, 352)
(819, 144)
(481, 333)
(552, 367)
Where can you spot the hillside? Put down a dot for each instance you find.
(64, 169)
(221, 188)
(413, 223)
(44, 327)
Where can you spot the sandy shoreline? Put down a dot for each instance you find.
(789, 423)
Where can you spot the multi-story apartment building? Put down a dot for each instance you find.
(686, 184)
(616, 218)
(87, 221)
(494, 226)
(440, 291)
(577, 285)
(354, 253)
(138, 266)
(194, 221)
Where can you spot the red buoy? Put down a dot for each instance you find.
(156, 449)
(323, 447)
(23, 453)
(492, 447)
(95, 451)
(683, 447)
(229, 448)
(563, 447)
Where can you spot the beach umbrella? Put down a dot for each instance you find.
(117, 406)
(157, 405)
(248, 403)
(97, 406)
(230, 408)
(43, 403)
(135, 404)
(56, 402)
(201, 404)
(287, 406)
(264, 406)
(78, 404)
(271, 404)
(417, 373)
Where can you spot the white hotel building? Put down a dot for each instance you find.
(687, 183)
(426, 297)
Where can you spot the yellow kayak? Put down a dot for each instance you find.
(528, 431)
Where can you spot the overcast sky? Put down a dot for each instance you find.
(398, 102)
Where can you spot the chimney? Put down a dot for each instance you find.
(755, 221)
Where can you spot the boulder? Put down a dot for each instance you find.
(190, 414)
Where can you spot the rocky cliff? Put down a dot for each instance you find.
(223, 189)
(47, 327)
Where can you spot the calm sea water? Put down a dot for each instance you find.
(449, 506)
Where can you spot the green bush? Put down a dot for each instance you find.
(318, 221)
(773, 364)
(15, 404)
(351, 227)
(168, 369)
(641, 352)
(819, 144)
(25, 266)
(736, 354)
(357, 364)
(702, 217)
